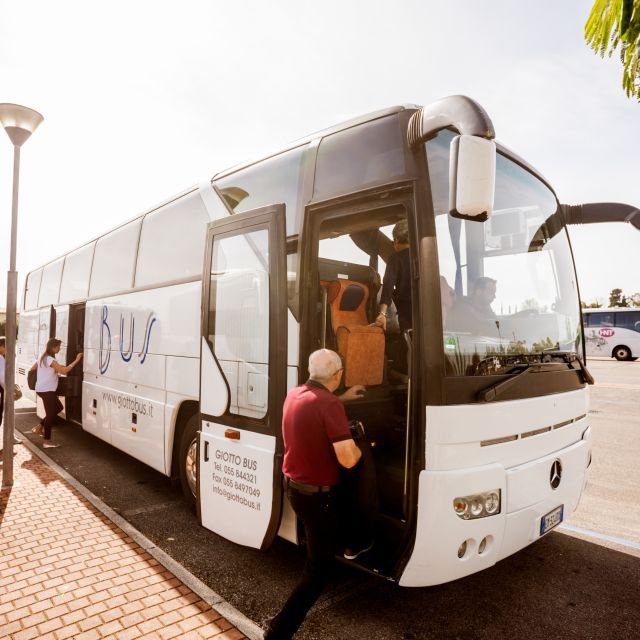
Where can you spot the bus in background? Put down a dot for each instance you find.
(612, 333)
(482, 444)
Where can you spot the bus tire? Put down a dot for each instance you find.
(188, 459)
(622, 353)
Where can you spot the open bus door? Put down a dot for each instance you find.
(72, 386)
(243, 376)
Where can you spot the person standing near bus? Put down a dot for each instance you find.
(317, 442)
(47, 385)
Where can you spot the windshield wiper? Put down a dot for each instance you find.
(492, 392)
(570, 357)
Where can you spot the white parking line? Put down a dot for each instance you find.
(599, 536)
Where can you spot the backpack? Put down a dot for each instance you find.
(32, 376)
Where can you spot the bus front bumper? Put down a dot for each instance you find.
(448, 547)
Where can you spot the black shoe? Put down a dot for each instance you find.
(351, 553)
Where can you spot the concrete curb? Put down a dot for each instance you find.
(235, 617)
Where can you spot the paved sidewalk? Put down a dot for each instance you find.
(67, 571)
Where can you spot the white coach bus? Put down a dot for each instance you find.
(612, 333)
(479, 449)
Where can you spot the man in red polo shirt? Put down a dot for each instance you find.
(317, 441)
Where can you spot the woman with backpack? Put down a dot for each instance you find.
(46, 386)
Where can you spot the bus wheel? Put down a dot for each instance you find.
(188, 459)
(622, 353)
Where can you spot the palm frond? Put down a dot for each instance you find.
(613, 23)
(600, 29)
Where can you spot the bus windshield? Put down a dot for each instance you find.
(509, 286)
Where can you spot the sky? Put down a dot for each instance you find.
(142, 99)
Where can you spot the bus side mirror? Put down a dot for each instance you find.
(472, 177)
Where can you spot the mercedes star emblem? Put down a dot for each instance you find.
(556, 474)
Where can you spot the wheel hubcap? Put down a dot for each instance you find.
(191, 465)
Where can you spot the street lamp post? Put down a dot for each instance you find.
(19, 122)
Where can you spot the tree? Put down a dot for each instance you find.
(615, 298)
(614, 23)
(531, 304)
(635, 299)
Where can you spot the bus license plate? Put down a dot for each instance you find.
(551, 520)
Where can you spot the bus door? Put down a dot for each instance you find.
(243, 376)
(74, 343)
(46, 330)
(28, 349)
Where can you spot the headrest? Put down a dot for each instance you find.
(352, 297)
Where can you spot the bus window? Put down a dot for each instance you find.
(601, 320)
(172, 242)
(32, 289)
(355, 158)
(342, 248)
(75, 277)
(239, 319)
(114, 260)
(628, 320)
(516, 293)
(274, 180)
(50, 285)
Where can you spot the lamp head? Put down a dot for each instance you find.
(19, 122)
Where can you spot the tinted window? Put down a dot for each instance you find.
(172, 242)
(272, 181)
(75, 276)
(628, 320)
(360, 156)
(50, 285)
(601, 320)
(114, 260)
(32, 289)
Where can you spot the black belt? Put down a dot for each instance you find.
(308, 489)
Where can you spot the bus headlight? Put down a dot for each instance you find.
(479, 505)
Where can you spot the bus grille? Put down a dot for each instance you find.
(529, 434)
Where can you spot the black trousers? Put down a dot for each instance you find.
(404, 320)
(52, 407)
(358, 499)
(318, 514)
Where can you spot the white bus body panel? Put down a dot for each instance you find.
(236, 483)
(457, 465)
(141, 357)
(601, 341)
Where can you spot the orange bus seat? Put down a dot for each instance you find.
(361, 346)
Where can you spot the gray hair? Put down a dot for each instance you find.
(323, 364)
